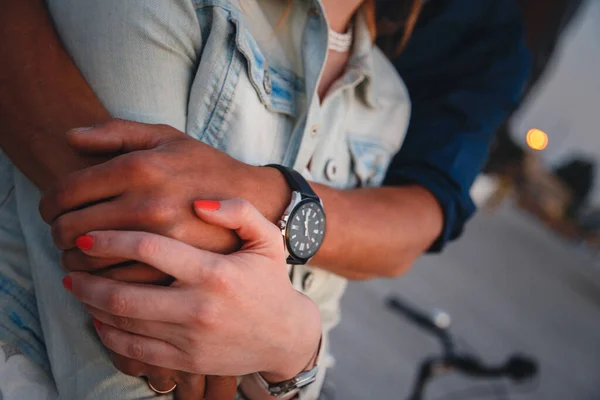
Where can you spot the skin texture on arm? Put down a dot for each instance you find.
(40, 101)
(377, 232)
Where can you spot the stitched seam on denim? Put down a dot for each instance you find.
(37, 356)
(4, 282)
(8, 287)
(16, 335)
(228, 100)
(222, 100)
(32, 314)
(271, 102)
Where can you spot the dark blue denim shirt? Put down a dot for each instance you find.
(465, 67)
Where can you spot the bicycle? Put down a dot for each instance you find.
(518, 368)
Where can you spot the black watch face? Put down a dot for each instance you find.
(306, 229)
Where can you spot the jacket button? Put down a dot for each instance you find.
(268, 85)
(331, 170)
(314, 130)
(308, 281)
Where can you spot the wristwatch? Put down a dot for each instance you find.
(290, 387)
(303, 223)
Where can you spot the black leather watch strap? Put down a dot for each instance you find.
(295, 180)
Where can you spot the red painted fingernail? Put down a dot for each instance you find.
(68, 283)
(97, 324)
(207, 205)
(84, 242)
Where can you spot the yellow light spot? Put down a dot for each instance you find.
(537, 139)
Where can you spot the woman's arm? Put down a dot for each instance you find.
(42, 95)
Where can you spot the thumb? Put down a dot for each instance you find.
(119, 136)
(241, 216)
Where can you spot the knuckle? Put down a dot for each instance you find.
(135, 350)
(220, 279)
(61, 229)
(205, 315)
(61, 195)
(177, 232)
(147, 247)
(124, 323)
(137, 165)
(157, 212)
(116, 303)
(108, 338)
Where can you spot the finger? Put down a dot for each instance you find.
(251, 226)
(128, 366)
(114, 214)
(161, 378)
(147, 302)
(183, 262)
(168, 332)
(119, 136)
(75, 260)
(147, 350)
(192, 387)
(220, 388)
(136, 273)
(163, 385)
(89, 185)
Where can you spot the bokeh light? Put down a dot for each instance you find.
(537, 139)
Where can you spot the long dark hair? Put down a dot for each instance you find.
(395, 21)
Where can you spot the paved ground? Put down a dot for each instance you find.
(509, 286)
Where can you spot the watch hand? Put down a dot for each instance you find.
(306, 228)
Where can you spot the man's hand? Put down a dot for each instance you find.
(149, 186)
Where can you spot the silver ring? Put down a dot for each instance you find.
(155, 390)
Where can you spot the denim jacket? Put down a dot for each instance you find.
(198, 66)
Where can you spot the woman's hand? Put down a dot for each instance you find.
(223, 315)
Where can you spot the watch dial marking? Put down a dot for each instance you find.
(307, 232)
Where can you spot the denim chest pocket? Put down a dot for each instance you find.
(237, 87)
(370, 160)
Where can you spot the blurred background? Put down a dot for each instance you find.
(525, 276)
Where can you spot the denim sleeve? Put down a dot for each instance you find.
(465, 68)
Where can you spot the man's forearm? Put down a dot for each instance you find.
(371, 232)
(42, 95)
(377, 232)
